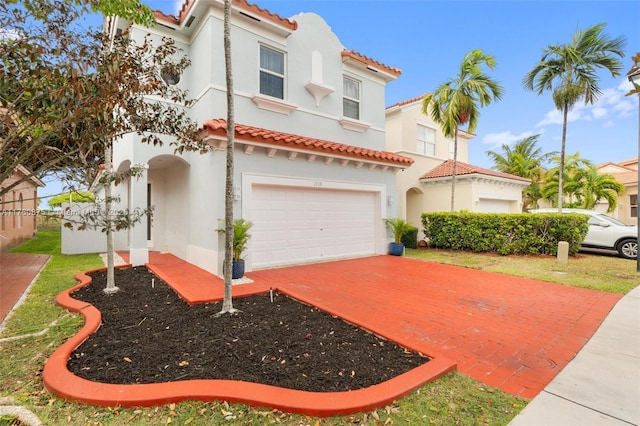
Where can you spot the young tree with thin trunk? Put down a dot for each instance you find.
(46, 51)
(569, 71)
(457, 102)
(75, 87)
(227, 302)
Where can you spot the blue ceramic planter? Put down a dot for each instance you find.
(396, 249)
(237, 270)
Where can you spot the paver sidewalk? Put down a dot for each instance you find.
(17, 271)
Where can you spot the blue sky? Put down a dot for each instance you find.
(427, 40)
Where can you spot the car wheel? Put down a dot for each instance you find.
(628, 248)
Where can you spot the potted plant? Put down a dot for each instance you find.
(240, 239)
(398, 227)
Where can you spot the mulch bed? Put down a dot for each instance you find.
(150, 335)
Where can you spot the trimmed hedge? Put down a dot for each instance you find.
(505, 233)
(410, 237)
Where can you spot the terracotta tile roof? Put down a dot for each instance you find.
(288, 140)
(240, 4)
(445, 170)
(625, 178)
(631, 163)
(408, 101)
(625, 171)
(352, 54)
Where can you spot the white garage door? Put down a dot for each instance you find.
(298, 225)
(490, 205)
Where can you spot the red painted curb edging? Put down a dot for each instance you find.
(60, 381)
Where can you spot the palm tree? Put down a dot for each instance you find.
(525, 160)
(457, 101)
(570, 72)
(597, 187)
(571, 185)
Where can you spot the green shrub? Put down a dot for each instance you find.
(410, 237)
(505, 233)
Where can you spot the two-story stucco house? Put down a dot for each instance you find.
(311, 172)
(426, 186)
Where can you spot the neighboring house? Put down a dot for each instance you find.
(310, 170)
(426, 186)
(19, 209)
(626, 172)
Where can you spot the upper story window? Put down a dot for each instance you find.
(271, 72)
(351, 98)
(633, 204)
(426, 141)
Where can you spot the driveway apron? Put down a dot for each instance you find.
(512, 333)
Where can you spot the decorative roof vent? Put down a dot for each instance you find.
(170, 76)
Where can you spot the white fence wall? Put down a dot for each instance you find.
(78, 242)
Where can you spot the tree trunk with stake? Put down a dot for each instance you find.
(111, 281)
(227, 302)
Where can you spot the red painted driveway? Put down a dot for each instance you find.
(512, 333)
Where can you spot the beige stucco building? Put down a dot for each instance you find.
(19, 209)
(426, 185)
(626, 172)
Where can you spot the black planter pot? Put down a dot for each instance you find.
(396, 249)
(237, 271)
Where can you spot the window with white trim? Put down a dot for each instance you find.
(426, 141)
(452, 148)
(633, 205)
(19, 212)
(351, 98)
(271, 72)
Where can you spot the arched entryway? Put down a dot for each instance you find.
(167, 192)
(414, 206)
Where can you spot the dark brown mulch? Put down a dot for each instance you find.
(150, 335)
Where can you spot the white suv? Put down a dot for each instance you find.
(605, 232)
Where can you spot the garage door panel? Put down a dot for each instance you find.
(298, 225)
(489, 205)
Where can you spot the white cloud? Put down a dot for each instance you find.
(612, 101)
(624, 108)
(496, 140)
(555, 116)
(599, 112)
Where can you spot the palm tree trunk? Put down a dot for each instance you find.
(111, 281)
(227, 302)
(565, 113)
(453, 169)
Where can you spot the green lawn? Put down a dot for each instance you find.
(454, 399)
(597, 272)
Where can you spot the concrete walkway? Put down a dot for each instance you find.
(601, 385)
(17, 272)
